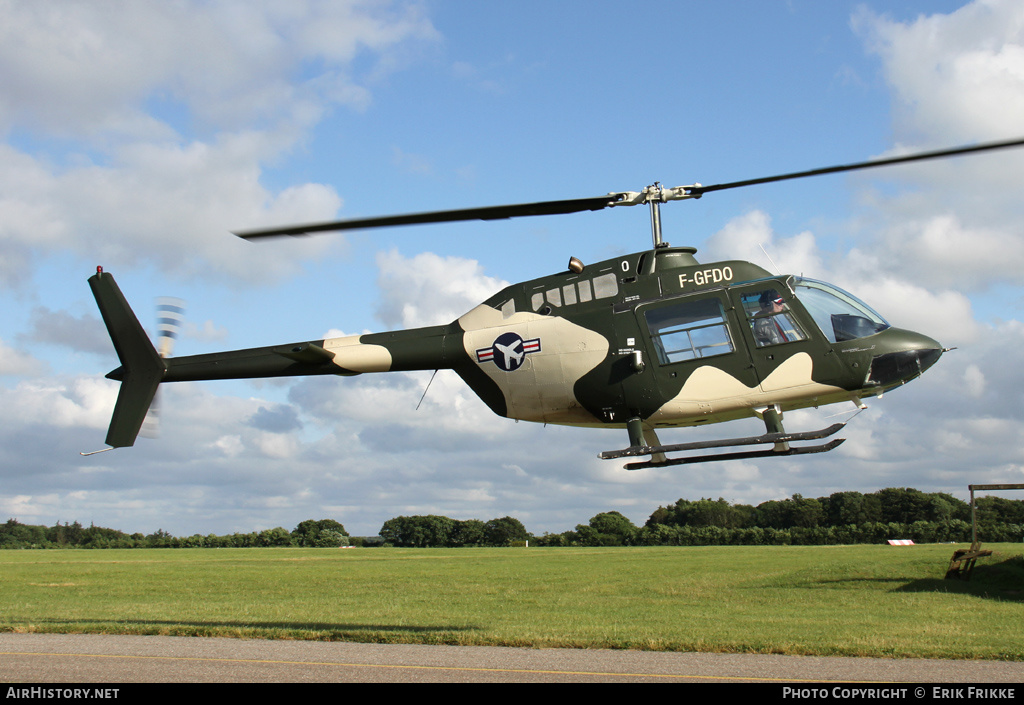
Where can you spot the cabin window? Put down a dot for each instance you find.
(602, 287)
(689, 330)
(606, 285)
(508, 308)
(770, 319)
(585, 294)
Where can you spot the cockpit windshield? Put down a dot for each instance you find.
(839, 315)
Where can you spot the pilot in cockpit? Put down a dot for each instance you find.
(772, 324)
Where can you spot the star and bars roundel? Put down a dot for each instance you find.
(508, 351)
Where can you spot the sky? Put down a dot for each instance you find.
(138, 134)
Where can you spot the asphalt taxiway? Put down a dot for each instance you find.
(93, 658)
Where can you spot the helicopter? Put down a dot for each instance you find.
(642, 342)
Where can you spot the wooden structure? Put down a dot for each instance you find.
(961, 565)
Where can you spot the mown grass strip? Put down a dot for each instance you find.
(824, 600)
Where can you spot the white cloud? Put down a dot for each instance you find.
(954, 79)
(428, 289)
(230, 64)
(16, 362)
(169, 204)
(955, 76)
(943, 250)
(974, 382)
(64, 330)
(751, 237)
(76, 403)
(128, 188)
(885, 285)
(207, 332)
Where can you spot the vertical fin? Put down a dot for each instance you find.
(141, 369)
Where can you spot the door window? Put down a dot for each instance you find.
(689, 330)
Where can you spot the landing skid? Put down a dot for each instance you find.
(781, 440)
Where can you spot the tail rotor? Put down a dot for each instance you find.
(170, 316)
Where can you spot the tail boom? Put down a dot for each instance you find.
(143, 369)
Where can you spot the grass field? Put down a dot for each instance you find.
(825, 600)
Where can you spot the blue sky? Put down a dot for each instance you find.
(137, 135)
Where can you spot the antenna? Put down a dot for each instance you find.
(778, 272)
(429, 382)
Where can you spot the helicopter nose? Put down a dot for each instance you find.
(907, 355)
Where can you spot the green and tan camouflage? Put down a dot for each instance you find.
(653, 336)
(645, 341)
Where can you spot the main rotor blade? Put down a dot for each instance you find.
(920, 156)
(574, 205)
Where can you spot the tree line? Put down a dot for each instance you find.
(840, 518)
(323, 533)
(437, 531)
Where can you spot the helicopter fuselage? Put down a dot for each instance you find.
(653, 335)
(657, 336)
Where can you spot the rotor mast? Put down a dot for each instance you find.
(655, 205)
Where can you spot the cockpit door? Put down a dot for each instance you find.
(784, 343)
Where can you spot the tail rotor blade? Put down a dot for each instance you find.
(151, 423)
(170, 313)
(170, 317)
